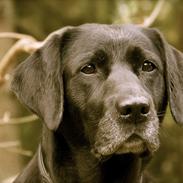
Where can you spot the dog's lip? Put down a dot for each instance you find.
(134, 144)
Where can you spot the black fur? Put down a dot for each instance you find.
(101, 91)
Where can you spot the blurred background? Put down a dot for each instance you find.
(38, 18)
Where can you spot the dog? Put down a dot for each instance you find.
(102, 92)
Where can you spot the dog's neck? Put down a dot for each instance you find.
(67, 163)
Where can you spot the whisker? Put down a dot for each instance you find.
(160, 115)
(161, 112)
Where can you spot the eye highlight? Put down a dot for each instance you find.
(89, 69)
(148, 66)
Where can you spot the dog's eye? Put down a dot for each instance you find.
(148, 66)
(89, 69)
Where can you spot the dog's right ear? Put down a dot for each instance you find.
(37, 81)
(173, 63)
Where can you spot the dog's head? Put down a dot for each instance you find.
(109, 85)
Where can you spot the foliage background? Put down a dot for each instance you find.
(40, 17)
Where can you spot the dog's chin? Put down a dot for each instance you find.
(134, 145)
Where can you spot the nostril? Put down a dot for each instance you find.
(145, 109)
(133, 109)
(126, 110)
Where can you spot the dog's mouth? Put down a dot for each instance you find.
(113, 139)
(135, 145)
(132, 145)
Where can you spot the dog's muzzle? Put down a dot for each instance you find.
(134, 144)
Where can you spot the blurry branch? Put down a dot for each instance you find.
(12, 147)
(9, 144)
(20, 151)
(16, 121)
(150, 20)
(25, 43)
(13, 35)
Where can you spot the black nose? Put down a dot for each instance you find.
(135, 110)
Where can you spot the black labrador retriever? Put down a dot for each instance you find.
(101, 91)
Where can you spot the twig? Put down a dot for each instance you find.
(12, 147)
(21, 151)
(9, 144)
(13, 35)
(25, 44)
(9, 179)
(150, 20)
(21, 120)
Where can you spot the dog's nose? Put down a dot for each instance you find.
(133, 110)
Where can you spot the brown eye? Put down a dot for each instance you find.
(148, 66)
(89, 69)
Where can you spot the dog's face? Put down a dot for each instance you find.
(116, 82)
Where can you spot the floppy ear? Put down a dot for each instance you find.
(38, 83)
(174, 77)
(173, 60)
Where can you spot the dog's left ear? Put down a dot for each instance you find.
(173, 61)
(38, 83)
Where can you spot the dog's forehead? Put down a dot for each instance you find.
(115, 40)
(98, 34)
